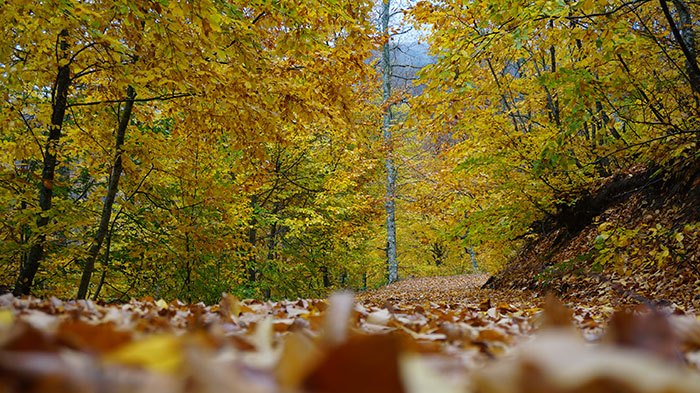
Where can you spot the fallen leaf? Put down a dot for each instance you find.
(368, 364)
(158, 352)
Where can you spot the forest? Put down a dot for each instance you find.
(181, 150)
(242, 167)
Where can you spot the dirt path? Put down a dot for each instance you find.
(463, 289)
(448, 289)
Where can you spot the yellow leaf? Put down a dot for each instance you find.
(161, 304)
(161, 353)
(6, 318)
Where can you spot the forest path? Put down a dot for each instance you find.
(464, 288)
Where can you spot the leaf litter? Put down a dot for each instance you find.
(420, 335)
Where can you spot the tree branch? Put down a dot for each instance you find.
(689, 57)
(158, 98)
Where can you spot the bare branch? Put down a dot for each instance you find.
(158, 98)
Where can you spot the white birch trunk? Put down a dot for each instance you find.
(392, 263)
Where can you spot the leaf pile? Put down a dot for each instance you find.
(341, 344)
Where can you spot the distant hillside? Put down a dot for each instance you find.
(408, 58)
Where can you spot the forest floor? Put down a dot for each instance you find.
(442, 334)
(547, 323)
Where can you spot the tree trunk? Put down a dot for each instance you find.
(688, 35)
(271, 254)
(472, 256)
(272, 241)
(326, 278)
(104, 267)
(188, 270)
(109, 199)
(470, 250)
(58, 106)
(392, 263)
(553, 69)
(685, 39)
(252, 239)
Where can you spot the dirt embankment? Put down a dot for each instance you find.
(633, 239)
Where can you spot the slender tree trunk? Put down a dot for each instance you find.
(392, 263)
(59, 104)
(112, 188)
(271, 245)
(188, 267)
(325, 276)
(470, 250)
(555, 100)
(103, 276)
(272, 242)
(688, 35)
(472, 256)
(685, 39)
(110, 233)
(252, 239)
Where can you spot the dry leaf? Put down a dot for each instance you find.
(230, 307)
(337, 321)
(367, 364)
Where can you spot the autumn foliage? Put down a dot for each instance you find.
(231, 163)
(184, 148)
(530, 104)
(181, 149)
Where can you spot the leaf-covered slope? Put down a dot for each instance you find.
(639, 244)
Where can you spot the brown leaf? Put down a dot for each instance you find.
(647, 330)
(491, 335)
(367, 364)
(100, 338)
(25, 337)
(556, 314)
(485, 305)
(229, 307)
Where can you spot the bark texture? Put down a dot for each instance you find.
(112, 189)
(59, 103)
(685, 38)
(392, 262)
